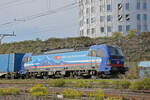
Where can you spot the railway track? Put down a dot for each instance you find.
(126, 94)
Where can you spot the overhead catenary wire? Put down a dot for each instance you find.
(10, 2)
(15, 3)
(49, 12)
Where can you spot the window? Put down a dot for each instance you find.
(97, 53)
(93, 20)
(101, 18)
(93, 31)
(128, 28)
(92, 9)
(109, 29)
(87, 10)
(101, 8)
(145, 17)
(81, 32)
(138, 4)
(145, 28)
(108, 7)
(127, 6)
(139, 27)
(92, 1)
(102, 29)
(92, 53)
(87, 21)
(138, 17)
(120, 28)
(100, 53)
(87, 2)
(109, 18)
(144, 4)
(27, 59)
(114, 51)
(88, 31)
(81, 23)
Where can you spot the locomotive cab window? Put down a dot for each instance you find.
(114, 51)
(92, 53)
(27, 59)
(100, 53)
(97, 53)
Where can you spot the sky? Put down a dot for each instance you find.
(31, 19)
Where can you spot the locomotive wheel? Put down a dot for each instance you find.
(45, 77)
(22, 76)
(12, 76)
(7, 76)
(27, 76)
(103, 75)
(78, 77)
(94, 77)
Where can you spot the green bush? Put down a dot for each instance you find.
(123, 84)
(136, 85)
(9, 91)
(57, 83)
(143, 84)
(104, 84)
(69, 93)
(38, 90)
(80, 84)
(97, 95)
(131, 34)
(117, 35)
(132, 74)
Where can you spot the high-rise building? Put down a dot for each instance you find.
(100, 18)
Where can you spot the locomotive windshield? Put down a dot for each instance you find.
(115, 51)
(97, 53)
(27, 59)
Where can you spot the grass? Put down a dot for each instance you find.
(38, 90)
(96, 95)
(143, 84)
(140, 84)
(114, 98)
(122, 84)
(57, 83)
(80, 84)
(72, 94)
(9, 91)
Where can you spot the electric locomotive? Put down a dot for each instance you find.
(96, 61)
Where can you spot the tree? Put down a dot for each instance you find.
(131, 34)
(117, 35)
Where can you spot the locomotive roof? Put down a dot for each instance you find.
(53, 51)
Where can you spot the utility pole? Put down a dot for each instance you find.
(4, 35)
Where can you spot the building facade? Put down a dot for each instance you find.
(101, 18)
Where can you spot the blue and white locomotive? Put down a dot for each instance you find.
(97, 61)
